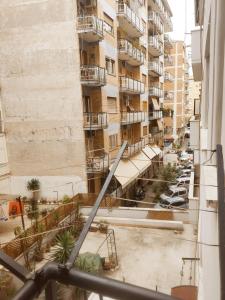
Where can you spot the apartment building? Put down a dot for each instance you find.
(78, 81)
(207, 131)
(176, 91)
(194, 92)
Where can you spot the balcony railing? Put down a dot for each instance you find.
(134, 148)
(169, 95)
(168, 60)
(92, 75)
(131, 86)
(155, 21)
(129, 53)
(168, 41)
(94, 121)
(155, 69)
(155, 46)
(97, 162)
(129, 21)
(132, 117)
(156, 5)
(156, 137)
(168, 77)
(168, 25)
(90, 28)
(155, 92)
(155, 114)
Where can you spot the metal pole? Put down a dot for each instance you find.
(21, 212)
(93, 213)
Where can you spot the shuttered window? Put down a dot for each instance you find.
(113, 141)
(112, 104)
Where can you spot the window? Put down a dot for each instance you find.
(110, 66)
(113, 141)
(144, 78)
(111, 105)
(145, 130)
(108, 24)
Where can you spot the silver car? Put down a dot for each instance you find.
(175, 192)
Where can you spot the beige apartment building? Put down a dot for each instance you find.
(176, 91)
(77, 79)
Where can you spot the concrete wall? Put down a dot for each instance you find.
(41, 91)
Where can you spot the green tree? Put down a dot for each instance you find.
(64, 245)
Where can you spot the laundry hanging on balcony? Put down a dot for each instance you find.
(3, 216)
(14, 208)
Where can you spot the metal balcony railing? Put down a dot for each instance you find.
(131, 86)
(155, 46)
(156, 68)
(124, 11)
(97, 162)
(92, 75)
(93, 120)
(134, 148)
(155, 92)
(168, 77)
(155, 20)
(130, 53)
(155, 114)
(132, 117)
(90, 24)
(168, 41)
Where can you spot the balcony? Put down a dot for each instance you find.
(129, 21)
(168, 43)
(168, 25)
(155, 92)
(155, 69)
(95, 121)
(156, 5)
(155, 46)
(169, 95)
(132, 117)
(168, 60)
(132, 55)
(156, 137)
(131, 86)
(92, 76)
(97, 162)
(134, 148)
(155, 114)
(90, 28)
(154, 22)
(168, 77)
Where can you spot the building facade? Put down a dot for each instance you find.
(75, 83)
(176, 91)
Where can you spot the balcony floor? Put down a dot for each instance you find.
(90, 36)
(127, 26)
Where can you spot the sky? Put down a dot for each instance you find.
(178, 9)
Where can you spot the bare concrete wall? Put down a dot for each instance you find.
(40, 88)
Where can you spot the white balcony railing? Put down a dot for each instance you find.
(129, 21)
(97, 162)
(90, 28)
(156, 68)
(129, 53)
(155, 114)
(155, 92)
(134, 148)
(132, 117)
(92, 75)
(155, 20)
(94, 120)
(131, 86)
(155, 46)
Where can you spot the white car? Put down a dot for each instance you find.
(183, 181)
(175, 192)
(172, 203)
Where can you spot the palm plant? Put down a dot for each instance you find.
(64, 245)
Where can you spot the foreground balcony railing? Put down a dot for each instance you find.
(97, 162)
(155, 92)
(155, 22)
(90, 28)
(129, 21)
(155, 46)
(132, 117)
(168, 77)
(155, 69)
(155, 114)
(168, 41)
(94, 121)
(134, 148)
(129, 53)
(131, 86)
(92, 75)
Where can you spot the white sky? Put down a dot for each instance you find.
(178, 9)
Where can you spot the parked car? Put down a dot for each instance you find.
(175, 192)
(184, 156)
(172, 202)
(183, 181)
(185, 173)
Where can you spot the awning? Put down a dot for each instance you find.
(126, 172)
(155, 104)
(160, 125)
(141, 161)
(149, 152)
(157, 150)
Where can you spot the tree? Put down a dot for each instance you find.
(64, 245)
(34, 186)
(33, 211)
